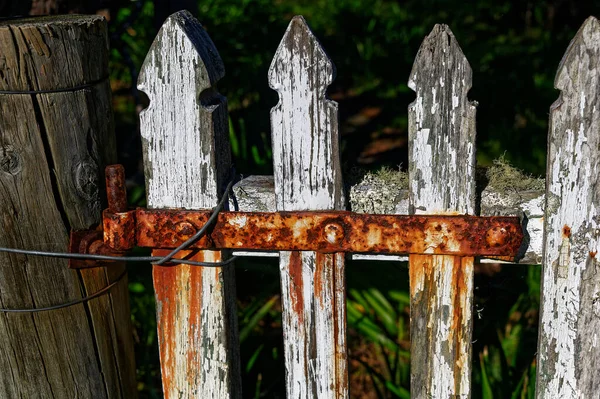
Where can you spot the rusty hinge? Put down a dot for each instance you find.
(323, 231)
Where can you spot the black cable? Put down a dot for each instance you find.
(63, 90)
(204, 228)
(151, 259)
(71, 303)
(157, 260)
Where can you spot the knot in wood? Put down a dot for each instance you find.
(497, 236)
(10, 160)
(86, 180)
(333, 232)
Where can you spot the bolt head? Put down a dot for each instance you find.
(334, 233)
(184, 230)
(497, 236)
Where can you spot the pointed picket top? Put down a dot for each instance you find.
(181, 67)
(298, 56)
(304, 123)
(441, 127)
(568, 353)
(583, 45)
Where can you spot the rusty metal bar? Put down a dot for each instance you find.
(327, 232)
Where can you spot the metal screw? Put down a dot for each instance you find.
(496, 236)
(184, 230)
(334, 233)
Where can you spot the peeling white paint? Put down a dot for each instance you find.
(181, 172)
(434, 103)
(441, 144)
(567, 325)
(307, 176)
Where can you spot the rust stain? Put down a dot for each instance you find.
(165, 289)
(566, 231)
(460, 292)
(593, 254)
(178, 288)
(296, 285)
(420, 271)
(339, 314)
(323, 277)
(193, 295)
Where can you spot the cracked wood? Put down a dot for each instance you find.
(53, 149)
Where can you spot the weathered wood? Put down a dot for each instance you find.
(441, 181)
(53, 149)
(569, 352)
(308, 177)
(187, 163)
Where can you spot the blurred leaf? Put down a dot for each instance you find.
(257, 317)
(486, 388)
(137, 287)
(253, 358)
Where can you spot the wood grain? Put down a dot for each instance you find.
(53, 149)
(441, 181)
(187, 163)
(569, 353)
(308, 177)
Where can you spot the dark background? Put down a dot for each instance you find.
(514, 48)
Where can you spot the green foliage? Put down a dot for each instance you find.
(514, 48)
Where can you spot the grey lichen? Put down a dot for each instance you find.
(382, 192)
(504, 177)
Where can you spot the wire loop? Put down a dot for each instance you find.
(157, 260)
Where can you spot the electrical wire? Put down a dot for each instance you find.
(203, 230)
(151, 259)
(71, 303)
(60, 90)
(157, 260)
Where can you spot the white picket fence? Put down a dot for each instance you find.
(187, 161)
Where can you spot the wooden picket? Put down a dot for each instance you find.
(308, 177)
(569, 351)
(187, 164)
(442, 181)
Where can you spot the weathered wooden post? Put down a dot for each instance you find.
(188, 164)
(308, 177)
(569, 341)
(56, 136)
(442, 181)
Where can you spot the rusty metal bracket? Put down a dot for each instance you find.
(323, 231)
(90, 242)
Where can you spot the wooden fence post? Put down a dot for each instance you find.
(569, 341)
(188, 164)
(53, 149)
(308, 177)
(442, 181)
